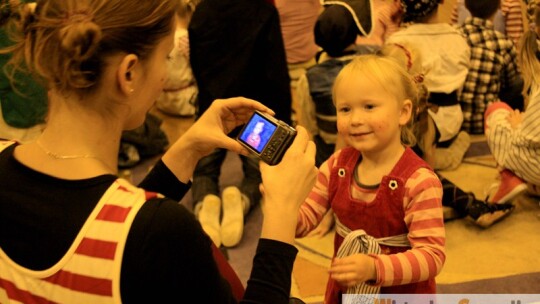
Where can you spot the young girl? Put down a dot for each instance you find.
(378, 188)
(254, 138)
(512, 136)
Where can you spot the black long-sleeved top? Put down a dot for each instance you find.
(167, 258)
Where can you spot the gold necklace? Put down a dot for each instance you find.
(75, 156)
(59, 156)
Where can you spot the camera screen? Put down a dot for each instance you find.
(258, 132)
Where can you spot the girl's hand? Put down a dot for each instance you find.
(353, 270)
(515, 118)
(210, 132)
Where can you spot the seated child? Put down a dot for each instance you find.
(445, 61)
(493, 69)
(335, 32)
(514, 136)
(459, 202)
(180, 91)
(508, 19)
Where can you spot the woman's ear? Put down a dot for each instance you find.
(126, 74)
(406, 112)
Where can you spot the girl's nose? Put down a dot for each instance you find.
(357, 118)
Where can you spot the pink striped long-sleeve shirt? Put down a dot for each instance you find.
(423, 218)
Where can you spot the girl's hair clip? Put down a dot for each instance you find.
(419, 78)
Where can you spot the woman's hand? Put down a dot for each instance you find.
(285, 186)
(353, 270)
(209, 132)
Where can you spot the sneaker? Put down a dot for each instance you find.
(488, 214)
(209, 217)
(509, 187)
(232, 224)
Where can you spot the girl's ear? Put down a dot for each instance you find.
(126, 74)
(406, 112)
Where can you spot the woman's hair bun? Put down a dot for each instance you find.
(80, 36)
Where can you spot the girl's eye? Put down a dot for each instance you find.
(344, 109)
(369, 107)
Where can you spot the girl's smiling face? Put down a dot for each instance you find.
(369, 116)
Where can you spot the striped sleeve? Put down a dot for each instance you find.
(424, 219)
(316, 204)
(528, 135)
(513, 14)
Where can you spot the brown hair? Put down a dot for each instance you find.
(529, 52)
(482, 8)
(65, 42)
(389, 74)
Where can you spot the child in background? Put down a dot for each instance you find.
(375, 180)
(297, 18)
(335, 32)
(445, 61)
(508, 19)
(235, 56)
(514, 136)
(493, 68)
(460, 203)
(23, 102)
(180, 91)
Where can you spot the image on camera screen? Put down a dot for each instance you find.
(258, 132)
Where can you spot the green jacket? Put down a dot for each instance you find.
(26, 106)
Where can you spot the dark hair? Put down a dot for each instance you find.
(419, 10)
(335, 30)
(66, 42)
(482, 8)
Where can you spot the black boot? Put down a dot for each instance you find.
(486, 214)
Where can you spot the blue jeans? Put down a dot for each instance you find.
(208, 170)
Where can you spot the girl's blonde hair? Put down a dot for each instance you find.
(529, 52)
(409, 58)
(66, 42)
(391, 76)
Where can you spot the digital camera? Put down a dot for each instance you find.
(267, 137)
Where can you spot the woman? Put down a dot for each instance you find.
(70, 229)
